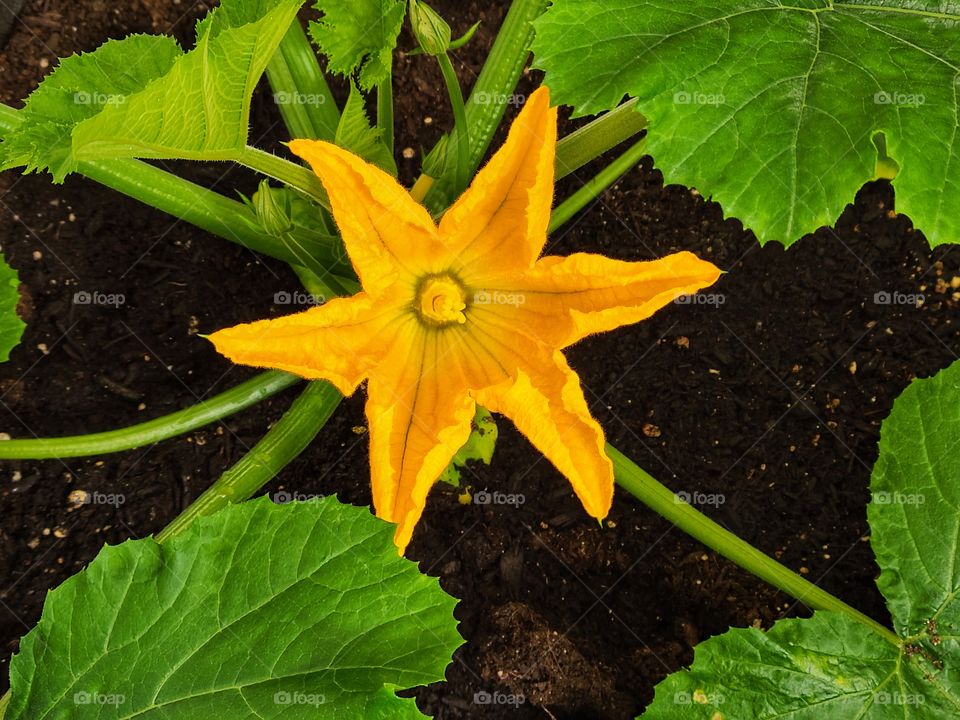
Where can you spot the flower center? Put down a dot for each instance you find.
(441, 300)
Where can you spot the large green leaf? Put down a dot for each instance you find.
(823, 668)
(144, 97)
(260, 611)
(79, 88)
(772, 108)
(830, 667)
(359, 35)
(11, 326)
(915, 511)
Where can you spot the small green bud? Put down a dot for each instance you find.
(432, 31)
(273, 209)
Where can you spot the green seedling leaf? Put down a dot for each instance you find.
(771, 107)
(11, 326)
(479, 446)
(359, 36)
(81, 87)
(259, 611)
(357, 135)
(830, 667)
(144, 97)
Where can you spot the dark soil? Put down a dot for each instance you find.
(771, 400)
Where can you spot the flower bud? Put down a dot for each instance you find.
(273, 210)
(431, 30)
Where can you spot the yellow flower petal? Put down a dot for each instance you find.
(545, 401)
(385, 231)
(501, 221)
(564, 299)
(420, 415)
(340, 341)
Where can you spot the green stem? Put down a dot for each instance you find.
(4, 701)
(216, 408)
(385, 111)
(594, 187)
(594, 139)
(295, 176)
(190, 202)
(300, 90)
(462, 127)
(282, 443)
(667, 504)
(491, 94)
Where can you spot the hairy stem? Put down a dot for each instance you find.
(295, 176)
(300, 89)
(216, 408)
(282, 443)
(594, 139)
(667, 504)
(462, 127)
(597, 185)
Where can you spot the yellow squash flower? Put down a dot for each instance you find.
(463, 314)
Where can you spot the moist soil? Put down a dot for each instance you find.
(764, 406)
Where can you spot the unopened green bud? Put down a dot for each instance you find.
(431, 30)
(273, 210)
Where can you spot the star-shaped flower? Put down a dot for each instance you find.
(463, 314)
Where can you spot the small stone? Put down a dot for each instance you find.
(853, 368)
(683, 342)
(78, 498)
(59, 533)
(42, 347)
(651, 430)
(44, 63)
(37, 255)
(409, 153)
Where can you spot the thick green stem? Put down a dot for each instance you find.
(216, 408)
(385, 111)
(667, 504)
(462, 127)
(282, 443)
(300, 90)
(594, 139)
(291, 174)
(492, 93)
(594, 187)
(211, 211)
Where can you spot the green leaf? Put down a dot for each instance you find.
(824, 668)
(773, 108)
(200, 109)
(479, 446)
(79, 88)
(915, 511)
(830, 667)
(357, 135)
(11, 326)
(144, 97)
(261, 610)
(359, 35)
